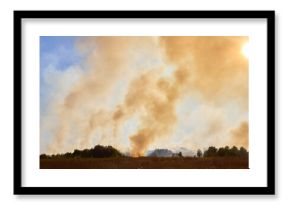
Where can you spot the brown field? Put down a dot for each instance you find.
(147, 163)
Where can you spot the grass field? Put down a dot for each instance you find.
(147, 163)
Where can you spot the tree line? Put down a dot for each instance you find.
(222, 152)
(100, 151)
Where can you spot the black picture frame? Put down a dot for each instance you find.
(18, 94)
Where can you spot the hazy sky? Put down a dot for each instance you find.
(141, 93)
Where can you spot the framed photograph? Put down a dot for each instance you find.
(144, 102)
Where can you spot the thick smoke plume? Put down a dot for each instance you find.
(107, 62)
(122, 80)
(211, 66)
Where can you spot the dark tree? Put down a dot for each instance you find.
(199, 153)
(210, 152)
(44, 156)
(243, 152)
(221, 152)
(234, 151)
(227, 151)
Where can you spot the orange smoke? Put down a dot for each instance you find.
(209, 67)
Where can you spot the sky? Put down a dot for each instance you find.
(141, 93)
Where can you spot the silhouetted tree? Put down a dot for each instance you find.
(243, 152)
(199, 153)
(234, 151)
(44, 156)
(227, 151)
(210, 152)
(221, 152)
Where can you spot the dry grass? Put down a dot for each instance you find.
(147, 163)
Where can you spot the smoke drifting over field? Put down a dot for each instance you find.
(130, 93)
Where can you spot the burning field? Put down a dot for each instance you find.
(107, 157)
(138, 93)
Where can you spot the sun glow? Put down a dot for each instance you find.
(246, 50)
